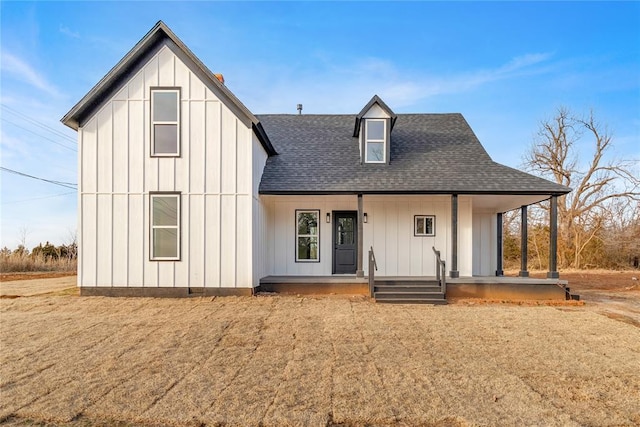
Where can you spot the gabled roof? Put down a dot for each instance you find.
(430, 154)
(375, 100)
(158, 36)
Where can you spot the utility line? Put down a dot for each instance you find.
(37, 134)
(60, 183)
(38, 198)
(37, 123)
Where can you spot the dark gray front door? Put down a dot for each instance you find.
(345, 242)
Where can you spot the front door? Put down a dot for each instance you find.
(345, 242)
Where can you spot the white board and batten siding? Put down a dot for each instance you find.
(389, 230)
(213, 175)
(260, 215)
(485, 238)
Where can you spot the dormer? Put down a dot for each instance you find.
(373, 130)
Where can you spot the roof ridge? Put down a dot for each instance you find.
(352, 114)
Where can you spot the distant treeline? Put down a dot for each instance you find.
(47, 257)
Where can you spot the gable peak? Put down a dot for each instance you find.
(375, 107)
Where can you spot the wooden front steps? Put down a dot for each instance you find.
(398, 291)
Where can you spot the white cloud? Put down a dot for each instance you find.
(13, 147)
(67, 31)
(22, 71)
(335, 86)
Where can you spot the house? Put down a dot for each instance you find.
(183, 191)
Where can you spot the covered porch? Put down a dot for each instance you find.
(401, 229)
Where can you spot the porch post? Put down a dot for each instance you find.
(454, 237)
(523, 242)
(499, 270)
(359, 270)
(553, 239)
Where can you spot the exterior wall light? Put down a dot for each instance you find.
(365, 219)
(328, 217)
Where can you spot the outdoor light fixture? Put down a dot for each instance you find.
(365, 219)
(328, 217)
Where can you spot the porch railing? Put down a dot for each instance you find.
(441, 271)
(373, 266)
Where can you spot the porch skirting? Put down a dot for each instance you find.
(157, 292)
(315, 285)
(509, 288)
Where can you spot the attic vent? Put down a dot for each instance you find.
(220, 78)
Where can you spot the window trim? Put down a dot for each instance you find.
(178, 226)
(383, 141)
(415, 226)
(317, 212)
(178, 91)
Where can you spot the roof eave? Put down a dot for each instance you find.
(409, 192)
(264, 139)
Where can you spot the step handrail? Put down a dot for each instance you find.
(373, 266)
(441, 271)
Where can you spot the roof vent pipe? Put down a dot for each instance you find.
(299, 109)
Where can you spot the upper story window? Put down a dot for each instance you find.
(165, 122)
(375, 140)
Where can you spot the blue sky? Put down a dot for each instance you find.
(505, 66)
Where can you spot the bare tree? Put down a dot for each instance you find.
(597, 181)
(72, 244)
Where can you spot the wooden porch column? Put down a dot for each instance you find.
(523, 242)
(553, 239)
(499, 257)
(360, 251)
(454, 237)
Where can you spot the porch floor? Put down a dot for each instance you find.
(351, 278)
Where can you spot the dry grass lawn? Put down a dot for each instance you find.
(38, 286)
(278, 361)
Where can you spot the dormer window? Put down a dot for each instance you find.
(373, 130)
(375, 140)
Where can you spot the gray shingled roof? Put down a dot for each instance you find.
(430, 153)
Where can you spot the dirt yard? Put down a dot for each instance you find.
(326, 361)
(615, 294)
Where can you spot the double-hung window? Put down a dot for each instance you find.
(165, 122)
(375, 140)
(424, 225)
(165, 226)
(307, 236)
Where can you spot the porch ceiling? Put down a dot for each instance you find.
(504, 203)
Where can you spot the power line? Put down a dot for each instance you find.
(60, 183)
(37, 134)
(38, 198)
(37, 123)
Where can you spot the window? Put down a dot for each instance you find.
(165, 226)
(375, 136)
(165, 122)
(424, 225)
(307, 236)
